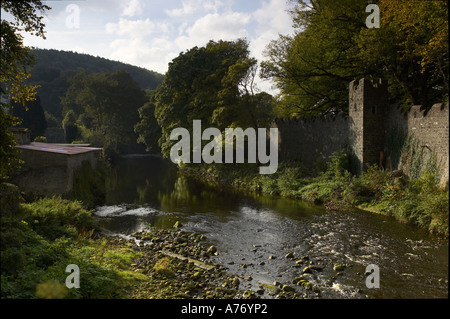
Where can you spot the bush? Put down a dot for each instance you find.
(55, 217)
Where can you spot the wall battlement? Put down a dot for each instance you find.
(374, 131)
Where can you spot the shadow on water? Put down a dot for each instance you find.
(254, 233)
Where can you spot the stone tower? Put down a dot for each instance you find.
(368, 101)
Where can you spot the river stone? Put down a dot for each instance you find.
(271, 289)
(307, 270)
(177, 224)
(298, 280)
(248, 294)
(307, 285)
(287, 288)
(338, 267)
(316, 268)
(290, 255)
(212, 250)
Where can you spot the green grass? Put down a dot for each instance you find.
(40, 239)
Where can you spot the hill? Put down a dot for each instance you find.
(54, 68)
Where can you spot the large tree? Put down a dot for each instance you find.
(214, 84)
(15, 60)
(312, 68)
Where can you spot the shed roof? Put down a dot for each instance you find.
(55, 148)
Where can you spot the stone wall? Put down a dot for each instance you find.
(49, 173)
(312, 141)
(375, 132)
(429, 131)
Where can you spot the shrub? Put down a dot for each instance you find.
(56, 217)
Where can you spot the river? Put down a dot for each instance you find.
(253, 234)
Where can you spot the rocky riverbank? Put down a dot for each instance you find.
(181, 264)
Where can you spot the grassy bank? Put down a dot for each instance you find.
(418, 201)
(40, 239)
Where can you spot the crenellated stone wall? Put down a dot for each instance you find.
(375, 133)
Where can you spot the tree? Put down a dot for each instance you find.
(108, 104)
(214, 84)
(147, 128)
(70, 127)
(31, 116)
(410, 49)
(313, 68)
(15, 59)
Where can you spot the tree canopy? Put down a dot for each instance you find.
(332, 46)
(214, 84)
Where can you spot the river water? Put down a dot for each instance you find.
(253, 234)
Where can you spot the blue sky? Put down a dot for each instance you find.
(150, 33)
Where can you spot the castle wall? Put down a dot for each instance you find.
(312, 141)
(376, 133)
(430, 131)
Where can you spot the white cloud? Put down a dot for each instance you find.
(154, 55)
(132, 8)
(214, 26)
(190, 7)
(132, 28)
(272, 19)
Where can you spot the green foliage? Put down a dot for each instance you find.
(148, 129)
(332, 46)
(34, 258)
(410, 50)
(55, 217)
(416, 159)
(40, 139)
(70, 127)
(9, 154)
(214, 84)
(106, 104)
(313, 68)
(89, 184)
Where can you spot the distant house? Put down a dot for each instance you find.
(49, 169)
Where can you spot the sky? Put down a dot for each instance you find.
(150, 33)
